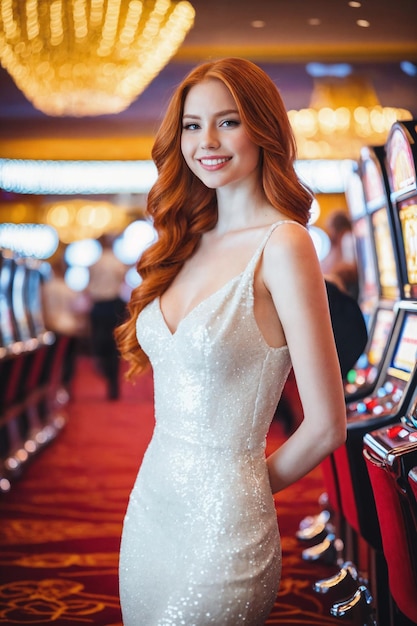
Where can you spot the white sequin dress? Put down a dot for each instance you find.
(200, 542)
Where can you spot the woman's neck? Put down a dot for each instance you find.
(239, 209)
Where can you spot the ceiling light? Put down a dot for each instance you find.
(30, 240)
(89, 57)
(258, 24)
(363, 23)
(76, 177)
(344, 115)
(355, 5)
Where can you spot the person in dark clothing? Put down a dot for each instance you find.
(349, 327)
(340, 265)
(107, 311)
(351, 336)
(105, 316)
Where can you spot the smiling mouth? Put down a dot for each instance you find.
(211, 162)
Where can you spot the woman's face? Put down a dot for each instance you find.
(214, 142)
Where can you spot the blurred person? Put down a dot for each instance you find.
(66, 314)
(105, 288)
(340, 265)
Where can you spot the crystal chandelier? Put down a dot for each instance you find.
(344, 115)
(89, 57)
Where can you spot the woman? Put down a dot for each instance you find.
(232, 296)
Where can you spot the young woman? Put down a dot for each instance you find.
(232, 297)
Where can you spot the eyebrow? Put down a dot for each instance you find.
(218, 114)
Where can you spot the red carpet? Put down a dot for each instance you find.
(60, 524)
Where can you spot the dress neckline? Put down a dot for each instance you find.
(228, 284)
(195, 308)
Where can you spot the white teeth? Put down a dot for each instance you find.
(213, 161)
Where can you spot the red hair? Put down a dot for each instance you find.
(183, 209)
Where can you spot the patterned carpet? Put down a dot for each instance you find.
(60, 524)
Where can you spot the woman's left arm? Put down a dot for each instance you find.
(291, 272)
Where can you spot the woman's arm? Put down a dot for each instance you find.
(292, 274)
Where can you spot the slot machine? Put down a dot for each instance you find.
(12, 346)
(382, 408)
(19, 304)
(362, 231)
(12, 363)
(381, 235)
(390, 391)
(37, 272)
(8, 366)
(378, 202)
(401, 152)
(390, 455)
(385, 406)
(7, 328)
(366, 195)
(390, 452)
(16, 369)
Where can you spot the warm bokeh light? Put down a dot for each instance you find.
(76, 219)
(83, 58)
(344, 115)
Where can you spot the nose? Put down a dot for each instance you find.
(209, 139)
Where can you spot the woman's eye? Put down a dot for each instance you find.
(230, 123)
(191, 126)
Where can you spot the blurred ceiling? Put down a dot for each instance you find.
(281, 35)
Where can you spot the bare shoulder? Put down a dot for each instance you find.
(289, 243)
(291, 271)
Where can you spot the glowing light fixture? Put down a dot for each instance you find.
(321, 241)
(78, 218)
(76, 177)
(344, 115)
(38, 241)
(83, 253)
(89, 57)
(134, 241)
(112, 177)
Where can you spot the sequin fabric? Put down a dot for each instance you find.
(200, 542)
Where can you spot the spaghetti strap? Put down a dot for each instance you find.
(258, 252)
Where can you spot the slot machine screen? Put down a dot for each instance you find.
(401, 170)
(366, 264)
(372, 178)
(407, 211)
(34, 302)
(387, 269)
(381, 331)
(7, 335)
(404, 358)
(18, 296)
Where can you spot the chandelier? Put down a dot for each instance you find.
(89, 57)
(344, 115)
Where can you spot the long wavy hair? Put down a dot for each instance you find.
(183, 209)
